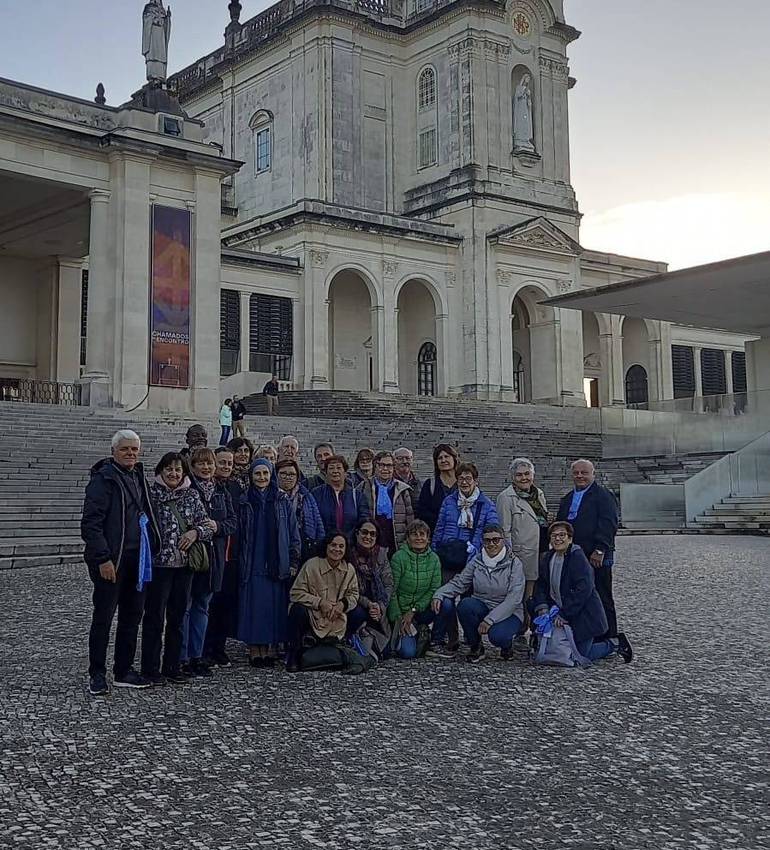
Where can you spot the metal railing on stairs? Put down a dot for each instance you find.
(40, 392)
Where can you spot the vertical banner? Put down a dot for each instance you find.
(170, 298)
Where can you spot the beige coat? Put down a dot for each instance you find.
(318, 581)
(521, 529)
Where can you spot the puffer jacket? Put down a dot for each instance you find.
(484, 512)
(416, 577)
(403, 509)
(500, 588)
(220, 509)
(188, 504)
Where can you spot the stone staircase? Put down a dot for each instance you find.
(737, 514)
(47, 452)
(657, 469)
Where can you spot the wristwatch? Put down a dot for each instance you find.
(414, 610)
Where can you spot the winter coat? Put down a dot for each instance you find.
(319, 581)
(226, 416)
(581, 606)
(382, 568)
(432, 496)
(220, 509)
(447, 529)
(522, 530)
(596, 522)
(189, 505)
(289, 543)
(416, 577)
(354, 503)
(403, 510)
(500, 588)
(311, 526)
(103, 525)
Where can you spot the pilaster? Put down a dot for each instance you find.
(68, 320)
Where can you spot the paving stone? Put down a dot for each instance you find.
(669, 752)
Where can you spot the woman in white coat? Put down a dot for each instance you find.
(523, 514)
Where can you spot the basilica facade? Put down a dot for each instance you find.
(413, 158)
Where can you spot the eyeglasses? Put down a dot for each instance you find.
(287, 474)
(559, 536)
(365, 533)
(384, 465)
(492, 541)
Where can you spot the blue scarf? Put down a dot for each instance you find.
(145, 554)
(384, 503)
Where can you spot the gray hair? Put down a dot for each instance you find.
(288, 438)
(519, 462)
(404, 449)
(124, 434)
(581, 460)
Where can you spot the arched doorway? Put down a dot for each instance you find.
(533, 349)
(637, 391)
(593, 380)
(636, 352)
(351, 333)
(426, 369)
(416, 339)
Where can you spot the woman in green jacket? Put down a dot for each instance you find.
(416, 577)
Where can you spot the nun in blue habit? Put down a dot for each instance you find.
(269, 560)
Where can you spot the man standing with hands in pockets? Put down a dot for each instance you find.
(116, 507)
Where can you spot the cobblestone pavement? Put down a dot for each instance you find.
(668, 752)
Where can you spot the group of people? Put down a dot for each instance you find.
(239, 543)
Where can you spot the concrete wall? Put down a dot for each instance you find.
(18, 317)
(652, 505)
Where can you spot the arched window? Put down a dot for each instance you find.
(636, 386)
(426, 369)
(426, 88)
(262, 134)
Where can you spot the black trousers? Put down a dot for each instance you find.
(603, 581)
(298, 626)
(108, 597)
(167, 597)
(223, 612)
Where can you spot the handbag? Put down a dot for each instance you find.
(453, 554)
(198, 553)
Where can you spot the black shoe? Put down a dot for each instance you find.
(200, 669)
(506, 654)
(131, 679)
(221, 659)
(176, 677)
(268, 662)
(292, 662)
(257, 661)
(624, 648)
(476, 654)
(155, 679)
(97, 685)
(440, 650)
(186, 669)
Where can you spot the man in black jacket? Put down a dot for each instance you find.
(593, 512)
(239, 416)
(116, 497)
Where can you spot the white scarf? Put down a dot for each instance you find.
(465, 504)
(489, 562)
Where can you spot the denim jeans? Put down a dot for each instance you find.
(407, 647)
(472, 611)
(196, 618)
(225, 436)
(596, 649)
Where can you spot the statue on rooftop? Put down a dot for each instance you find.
(156, 31)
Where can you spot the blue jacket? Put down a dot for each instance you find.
(289, 543)
(581, 606)
(484, 512)
(312, 527)
(355, 507)
(221, 510)
(596, 522)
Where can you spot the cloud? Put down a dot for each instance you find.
(687, 230)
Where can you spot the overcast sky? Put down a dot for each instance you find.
(670, 122)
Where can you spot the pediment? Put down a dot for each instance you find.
(538, 234)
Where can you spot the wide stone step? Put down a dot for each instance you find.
(20, 562)
(42, 545)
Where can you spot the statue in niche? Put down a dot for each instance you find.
(156, 31)
(522, 117)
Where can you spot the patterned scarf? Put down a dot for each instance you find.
(366, 563)
(465, 504)
(532, 498)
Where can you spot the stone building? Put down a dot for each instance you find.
(380, 146)
(358, 194)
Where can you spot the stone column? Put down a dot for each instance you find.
(442, 354)
(569, 374)
(378, 347)
(297, 345)
(729, 373)
(661, 378)
(316, 322)
(68, 320)
(697, 404)
(205, 293)
(391, 375)
(96, 380)
(245, 345)
(613, 393)
(506, 342)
